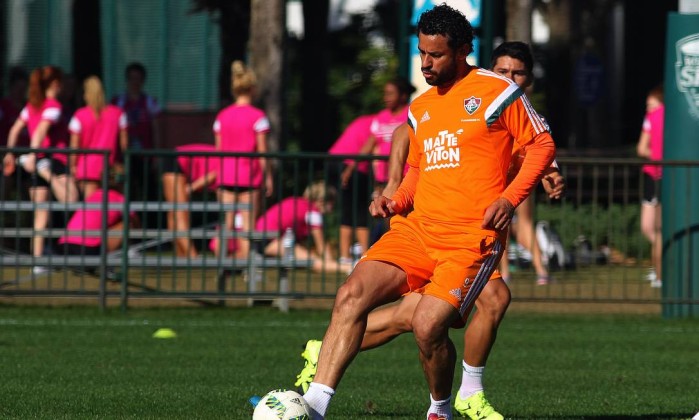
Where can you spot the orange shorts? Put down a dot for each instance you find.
(446, 262)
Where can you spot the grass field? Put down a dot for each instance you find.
(75, 362)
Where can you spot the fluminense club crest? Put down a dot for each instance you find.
(687, 71)
(472, 104)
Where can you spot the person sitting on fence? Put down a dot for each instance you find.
(95, 126)
(183, 175)
(41, 116)
(304, 215)
(84, 229)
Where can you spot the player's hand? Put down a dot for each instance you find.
(554, 183)
(498, 215)
(346, 175)
(8, 164)
(382, 206)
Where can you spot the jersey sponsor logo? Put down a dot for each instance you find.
(425, 117)
(472, 104)
(442, 151)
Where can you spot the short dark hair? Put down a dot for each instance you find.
(135, 66)
(517, 50)
(449, 22)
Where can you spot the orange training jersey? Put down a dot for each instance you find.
(461, 141)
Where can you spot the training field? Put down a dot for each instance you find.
(75, 362)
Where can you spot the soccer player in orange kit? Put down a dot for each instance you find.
(461, 136)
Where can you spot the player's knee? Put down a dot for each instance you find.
(349, 298)
(494, 302)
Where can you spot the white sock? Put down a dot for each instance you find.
(442, 408)
(471, 380)
(318, 398)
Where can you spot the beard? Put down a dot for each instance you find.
(446, 76)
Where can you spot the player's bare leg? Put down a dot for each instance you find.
(481, 332)
(386, 323)
(371, 284)
(431, 322)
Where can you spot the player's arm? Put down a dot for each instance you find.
(643, 146)
(400, 145)
(539, 156)
(202, 182)
(8, 165)
(366, 149)
(73, 157)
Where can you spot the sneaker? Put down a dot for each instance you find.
(310, 354)
(656, 283)
(433, 416)
(476, 407)
(651, 276)
(38, 270)
(542, 280)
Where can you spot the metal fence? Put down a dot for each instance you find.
(597, 251)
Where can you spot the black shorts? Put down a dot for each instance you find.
(170, 165)
(57, 168)
(75, 249)
(237, 189)
(651, 190)
(354, 208)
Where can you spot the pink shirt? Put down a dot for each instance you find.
(382, 128)
(195, 167)
(96, 133)
(353, 139)
(293, 212)
(653, 125)
(57, 135)
(91, 219)
(238, 126)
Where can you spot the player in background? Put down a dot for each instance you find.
(650, 146)
(396, 96)
(354, 193)
(83, 232)
(304, 216)
(461, 136)
(95, 126)
(42, 116)
(241, 127)
(183, 175)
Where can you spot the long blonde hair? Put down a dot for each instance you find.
(243, 79)
(94, 94)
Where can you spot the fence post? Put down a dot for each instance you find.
(680, 184)
(104, 248)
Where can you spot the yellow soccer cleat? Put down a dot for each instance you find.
(310, 355)
(476, 407)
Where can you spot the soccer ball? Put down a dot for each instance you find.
(282, 404)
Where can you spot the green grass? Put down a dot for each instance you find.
(79, 363)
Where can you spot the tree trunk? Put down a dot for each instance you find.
(314, 64)
(267, 23)
(519, 20)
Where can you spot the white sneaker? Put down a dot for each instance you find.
(651, 276)
(656, 283)
(37, 270)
